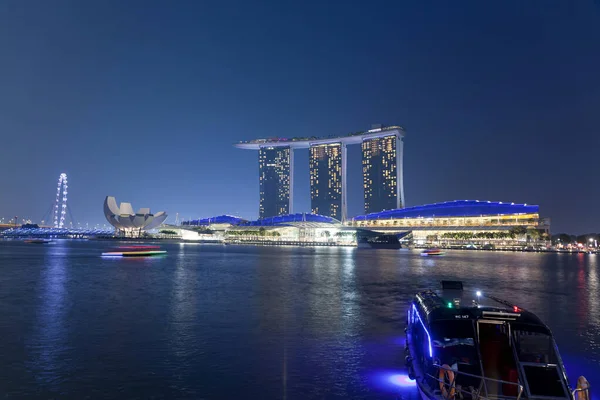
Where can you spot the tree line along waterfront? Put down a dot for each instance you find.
(518, 232)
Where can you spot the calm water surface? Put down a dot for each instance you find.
(227, 322)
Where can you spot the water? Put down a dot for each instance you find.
(225, 322)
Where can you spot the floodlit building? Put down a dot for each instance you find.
(129, 223)
(275, 167)
(447, 224)
(220, 221)
(327, 180)
(293, 229)
(456, 220)
(382, 171)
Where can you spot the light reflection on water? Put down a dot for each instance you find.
(50, 347)
(183, 313)
(211, 321)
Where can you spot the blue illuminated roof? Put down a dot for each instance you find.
(221, 219)
(291, 218)
(458, 208)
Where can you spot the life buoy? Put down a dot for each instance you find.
(583, 386)
(447, 373)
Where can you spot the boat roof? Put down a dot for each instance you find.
(454, 303)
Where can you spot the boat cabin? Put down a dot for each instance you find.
(465, 344)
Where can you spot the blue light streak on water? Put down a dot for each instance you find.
(393, 381)
(402, 380)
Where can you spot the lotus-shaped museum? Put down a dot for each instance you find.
(124, 219)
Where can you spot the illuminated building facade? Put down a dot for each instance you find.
(382, 173)
(128, 222)
(453, 224)
(275, 166)
(293, 229)
(327, 180)
(489, 221)
(454, 214)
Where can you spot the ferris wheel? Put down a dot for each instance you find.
(60, 205)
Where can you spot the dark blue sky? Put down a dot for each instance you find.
(143, 100)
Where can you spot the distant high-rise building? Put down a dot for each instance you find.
(327, 179)
(382, 172)
(275, 165)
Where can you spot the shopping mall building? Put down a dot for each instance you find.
(459, 220)
(447, 223)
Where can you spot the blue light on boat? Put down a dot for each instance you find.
(426, 331)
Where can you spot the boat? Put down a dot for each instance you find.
(379, 242)
(432, 252)
(464, 345)
(135, 251)
(37, 241)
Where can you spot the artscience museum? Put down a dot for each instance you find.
(129, 223)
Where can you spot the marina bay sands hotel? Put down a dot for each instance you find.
(381, 162)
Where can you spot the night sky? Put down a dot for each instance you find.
(143, 100)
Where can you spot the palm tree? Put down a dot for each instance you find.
(518, 231)
(533, 234)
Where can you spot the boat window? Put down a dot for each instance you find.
(454, 345)
(536, 353)
(453, 329)
(454, 342)
(544, 381)
(535, 347)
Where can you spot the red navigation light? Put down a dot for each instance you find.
(515, 309)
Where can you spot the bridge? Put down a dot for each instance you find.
(67, 233)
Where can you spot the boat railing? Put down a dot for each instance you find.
(453, 390)
(582, 392)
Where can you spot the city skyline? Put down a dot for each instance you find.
(498, 103)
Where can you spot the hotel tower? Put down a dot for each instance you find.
(382, 171)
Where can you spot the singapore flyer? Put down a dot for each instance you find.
(60, 205)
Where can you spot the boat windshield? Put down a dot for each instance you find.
(537, 356)
(454, 342)
(535, 347)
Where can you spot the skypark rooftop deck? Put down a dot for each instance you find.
(306, 142)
